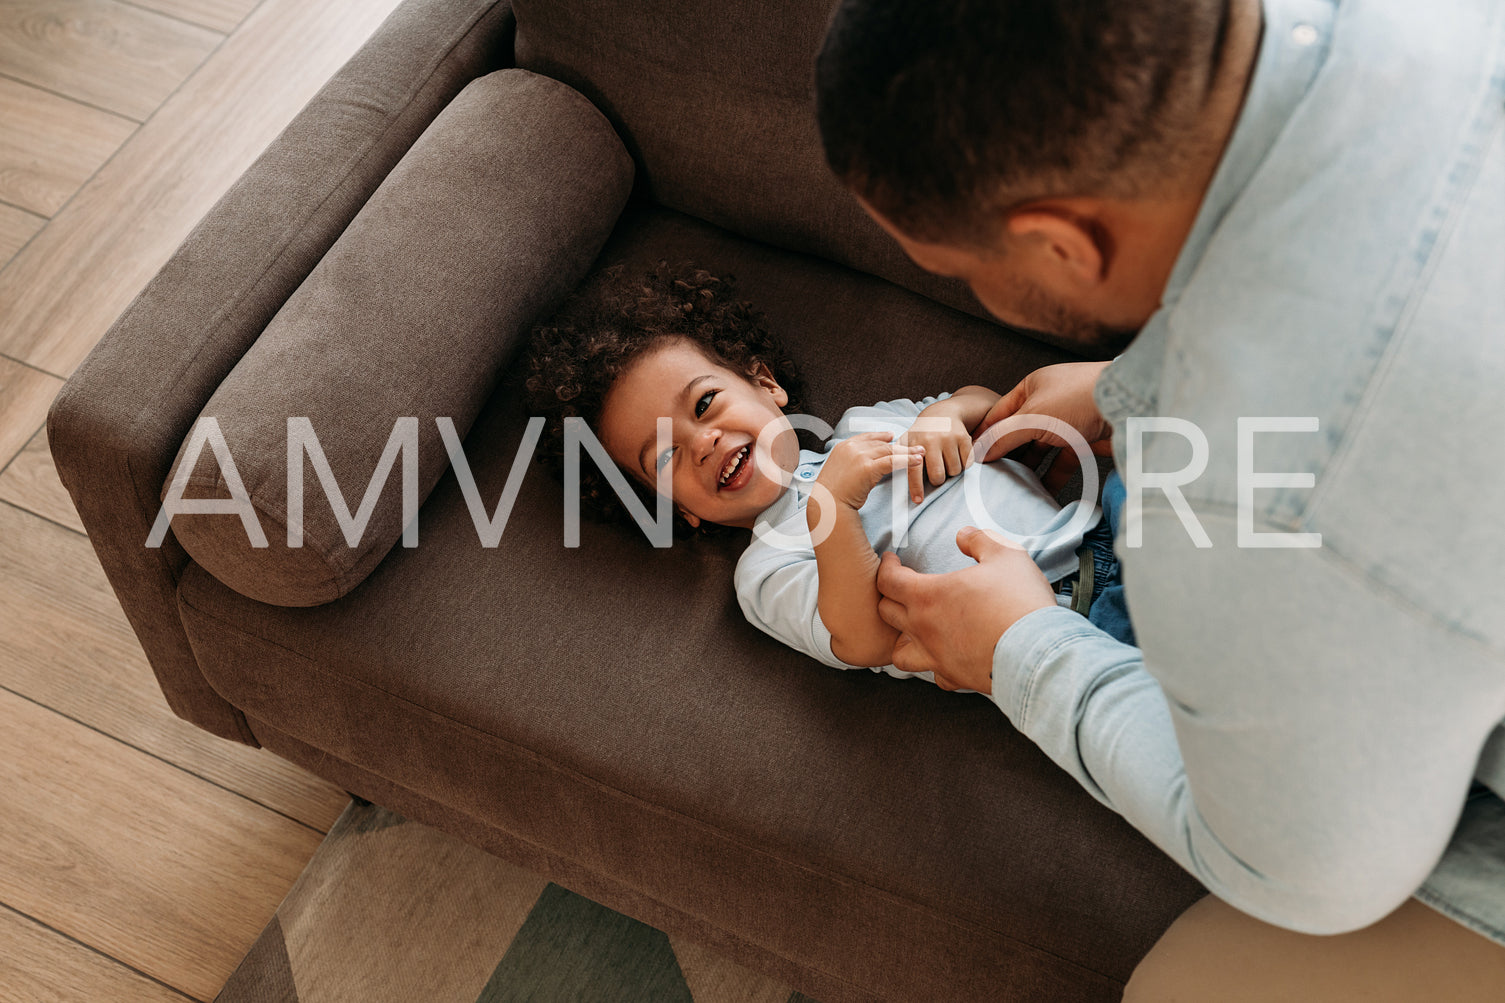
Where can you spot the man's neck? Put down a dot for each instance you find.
(1163, 225)
(1230, 87)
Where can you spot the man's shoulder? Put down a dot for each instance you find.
(1345, 314)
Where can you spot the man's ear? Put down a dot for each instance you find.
(762, 376)
(1073, 241)
(690, 517)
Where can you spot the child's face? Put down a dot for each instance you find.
(718, 414)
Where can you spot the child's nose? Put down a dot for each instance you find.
(705, 444)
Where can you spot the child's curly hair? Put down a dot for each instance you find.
(576, 356)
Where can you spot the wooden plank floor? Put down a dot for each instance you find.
(103, 53)
(139, 856)
(118, 229)
(17, 226)
(49, 145)
(219, 15)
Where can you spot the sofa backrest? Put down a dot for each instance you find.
(715, 100)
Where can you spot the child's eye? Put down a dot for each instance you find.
(663, 459)
(704, 402)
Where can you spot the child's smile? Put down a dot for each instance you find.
(738, 470)
(720, 473)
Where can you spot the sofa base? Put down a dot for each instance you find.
(562, 871)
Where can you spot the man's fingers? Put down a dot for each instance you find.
(1067, 463)
(1035, 454)
(895, 580)
(982, 545)
(910, 656)
(893, 613)
(1005, 406)
(917, 483)
(1012, 439)
(1061, 470)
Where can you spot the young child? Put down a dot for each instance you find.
(676, 343)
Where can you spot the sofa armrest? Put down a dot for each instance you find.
(488, 222)
(116, 426)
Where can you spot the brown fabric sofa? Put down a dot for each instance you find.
(601, 714)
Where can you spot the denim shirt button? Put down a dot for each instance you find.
(805, 473)
(1303, 34)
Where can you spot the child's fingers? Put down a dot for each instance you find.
(895, 449)
(917, 480)
(953, 453)
(899, 459)
(935, 465)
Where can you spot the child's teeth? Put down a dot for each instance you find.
(732, 464)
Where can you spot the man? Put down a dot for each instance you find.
(1300, 209)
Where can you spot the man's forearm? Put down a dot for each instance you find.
(1310, 778)
(848, 569)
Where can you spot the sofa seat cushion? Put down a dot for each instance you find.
(495, 213)
(610, 702)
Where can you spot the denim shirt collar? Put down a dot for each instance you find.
(1294, 40)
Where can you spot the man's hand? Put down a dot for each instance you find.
(856, 465)
(1062, 391)
(949, 624)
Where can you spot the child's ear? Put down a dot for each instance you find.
(691, 518)
(762, 376)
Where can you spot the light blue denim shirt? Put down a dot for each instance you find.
(1315, 732)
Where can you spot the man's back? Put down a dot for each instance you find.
(1346, 279)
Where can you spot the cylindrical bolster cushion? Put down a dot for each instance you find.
(496, 212)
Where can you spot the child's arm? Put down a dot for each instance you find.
(969, 404)
(845, 561)
(945, 430)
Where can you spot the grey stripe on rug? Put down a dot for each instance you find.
(390, 911)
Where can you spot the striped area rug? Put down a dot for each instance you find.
(390, 911)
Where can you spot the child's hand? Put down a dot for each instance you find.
(856, 465)
(947, 446)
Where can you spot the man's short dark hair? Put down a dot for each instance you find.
(944, 113)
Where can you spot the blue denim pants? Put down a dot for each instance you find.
(1109, 611)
